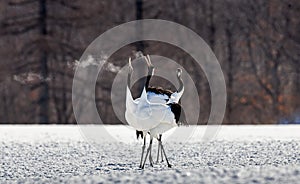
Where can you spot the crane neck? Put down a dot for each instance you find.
(180, 83)
(129, 79)
(150, 73)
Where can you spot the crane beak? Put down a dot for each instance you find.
(129, 61)
(130, 65)
(179, 72)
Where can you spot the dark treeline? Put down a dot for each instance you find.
(256, 42)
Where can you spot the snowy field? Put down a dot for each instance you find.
(62, 154)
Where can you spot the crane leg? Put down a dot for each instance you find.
(159, 151)
(162, 147)
(148, 151)
(143, 150)
(150, 157)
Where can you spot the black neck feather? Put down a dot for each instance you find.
(178, 113)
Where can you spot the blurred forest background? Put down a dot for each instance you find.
(256, 42)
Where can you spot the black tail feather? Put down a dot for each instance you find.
(178, 113)
(139, 133)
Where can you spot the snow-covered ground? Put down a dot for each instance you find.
(65, 154)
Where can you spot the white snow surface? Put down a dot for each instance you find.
(65, 154)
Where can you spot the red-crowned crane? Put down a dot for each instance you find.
(154, 118)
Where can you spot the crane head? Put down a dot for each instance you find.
(179, 72)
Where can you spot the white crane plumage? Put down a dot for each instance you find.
(154, 118)
(144, 115)
(160, 95)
